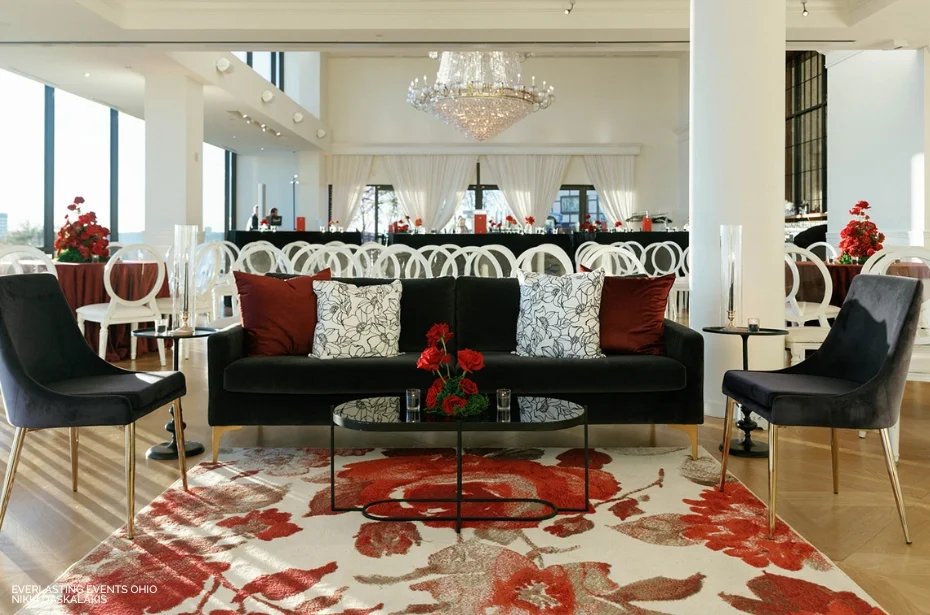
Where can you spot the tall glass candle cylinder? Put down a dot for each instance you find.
(183, 278)
(731, 259)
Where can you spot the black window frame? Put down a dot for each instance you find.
(805, 111)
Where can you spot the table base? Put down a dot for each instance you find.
(458, 500)
(167, 451)
(739, 447)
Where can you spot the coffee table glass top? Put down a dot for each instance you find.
(526, 414)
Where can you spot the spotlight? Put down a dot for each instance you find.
(223, 65)
(804, 12)
(320, 133)
(570, 8)
(298, 117)
(87, 74)
(267, 96)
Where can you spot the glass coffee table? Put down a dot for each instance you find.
(384, 414)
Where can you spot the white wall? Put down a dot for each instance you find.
(599, 101)
(275, 171)
(876, 141)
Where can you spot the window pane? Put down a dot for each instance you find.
(22, 168)
(594, 207)
(494, 203)
(242, 55)
(82, 156)
(466, 211)
(388, 209)
(261, 63)
(214, 193)
(364, 220)
(566, 210)
(131, 179)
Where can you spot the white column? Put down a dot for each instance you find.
(737, 124)
(683, 133)
(313, 193)
(173, 155)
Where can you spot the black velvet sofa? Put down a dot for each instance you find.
(298, 390)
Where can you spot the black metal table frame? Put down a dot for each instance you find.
(458, 499)
(168, 450)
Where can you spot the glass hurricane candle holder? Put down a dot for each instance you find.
(182, 280)
(731, 266)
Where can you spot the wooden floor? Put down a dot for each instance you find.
(48, 527)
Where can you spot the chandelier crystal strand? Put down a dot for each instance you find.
(479, 92)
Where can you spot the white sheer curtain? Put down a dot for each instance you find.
(348, 176)
(612, 177)
(430, 187)
(529, 183)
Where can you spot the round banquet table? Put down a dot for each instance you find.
(811, 286)
(82, 284)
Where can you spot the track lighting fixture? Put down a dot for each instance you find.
(804, 11)
(267, 96)
(570, 8)
(223, 65)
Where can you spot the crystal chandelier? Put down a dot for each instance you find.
(479, 92)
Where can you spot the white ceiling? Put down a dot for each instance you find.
(119, 41)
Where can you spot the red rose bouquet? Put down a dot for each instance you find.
(82, 238)
(510, 220)
(418, 222)
(454, 394)
(401, 226)
(530, 220)
(618, 224)
(860, 239)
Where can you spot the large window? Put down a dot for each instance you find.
(377, 210)
(82, 155)
(22, 166)
(131, 174)
(573, 205)
(806, 132)
(268, 64)
(214, 192)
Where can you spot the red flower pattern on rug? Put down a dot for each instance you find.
(736, 522)
(241, 542)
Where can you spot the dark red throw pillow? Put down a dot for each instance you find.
(278, 316)
(633, 314)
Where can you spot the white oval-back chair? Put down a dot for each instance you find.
(26, 259)
(535, 259)
(122, 311)
(400, 261)
(261, 257)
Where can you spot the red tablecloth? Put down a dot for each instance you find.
(811, 285)
(82, 284)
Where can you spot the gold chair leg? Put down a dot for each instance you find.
(692, 431)
(218, 432)
(727, 431)
(130, 480)
(179, 436)
(17, 447)
(74, 458)
(773, 477)
(895, 483)
(835, 453)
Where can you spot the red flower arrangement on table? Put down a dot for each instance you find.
(530, 220)
(402, 225)
(81, 239)
(618, 224)
(587, 226)
(453, 394)
(860, 239)
(418, 222)
(510, 220)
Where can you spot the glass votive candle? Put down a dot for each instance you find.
(753, 324)
(503, 399)
(413, 400)
(161, 325)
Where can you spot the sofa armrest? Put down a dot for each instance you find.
(223, 348)
(687, 346)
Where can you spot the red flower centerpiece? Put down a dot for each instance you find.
(860, 239)
(418, 222)
(454, 394)
(530, 220)
(81, 239)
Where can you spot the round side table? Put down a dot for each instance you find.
(746, 446)
(169, 450)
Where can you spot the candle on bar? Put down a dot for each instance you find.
(732, 280)
(185, 291)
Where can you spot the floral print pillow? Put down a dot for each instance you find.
(356, 321)
(559, 315)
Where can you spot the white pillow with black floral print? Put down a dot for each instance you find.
(560, 315)
(356, 321)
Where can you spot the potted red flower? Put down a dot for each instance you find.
(451, 393)
(861, 238)
(81, 239)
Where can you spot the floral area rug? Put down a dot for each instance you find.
(256, 535)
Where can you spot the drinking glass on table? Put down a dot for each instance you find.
(503, 405)
(161, 325)
(413, 400)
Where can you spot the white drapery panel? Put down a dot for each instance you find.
(529, 183)
(348, 176)
(613, 179)
(430, 187)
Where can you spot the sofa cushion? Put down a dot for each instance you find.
(356, 322)
(611, 374)
(486, 313)
(559, 315)
(633, 314)
(279, 316)
(307, 375)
